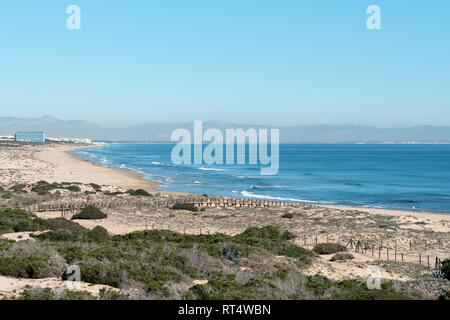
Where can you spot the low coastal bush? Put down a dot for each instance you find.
(98, 234)
(2, 189)
(38, 293)
(109, 193)
(222, 286)
(43, 187)
(162, 264)
(15, 220)
(23, 265)
(446, 268)
(358, 290)
(73, 188)
(96, 187)
(287, 215)
(318, 284)
(109, 294)
(342, 256)
(269, 238)
(139, 192)
(329, 248)
(19, 188)
(64, 224)
(90, 213)
(7, 195)
(184, 206)
(445, 296)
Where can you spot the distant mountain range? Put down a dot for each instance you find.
(158, 132)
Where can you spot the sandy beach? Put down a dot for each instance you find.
(409, 235)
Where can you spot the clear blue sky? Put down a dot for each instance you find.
(247, 61)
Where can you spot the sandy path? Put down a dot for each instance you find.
(13, 286)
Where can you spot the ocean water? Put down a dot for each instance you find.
(377, 176)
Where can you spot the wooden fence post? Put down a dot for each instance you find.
(420, 258)
(428, 261)
(387, 253)
(402, 256)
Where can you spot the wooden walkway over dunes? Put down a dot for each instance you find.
(199, 202)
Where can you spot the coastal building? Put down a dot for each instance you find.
(38, 137)
(70, 140)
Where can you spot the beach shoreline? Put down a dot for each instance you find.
(153, 187)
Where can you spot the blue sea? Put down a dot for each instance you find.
(375, 176)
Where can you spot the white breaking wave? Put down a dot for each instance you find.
(104, 160)
(261, 196)
(210, 169)
(266, 187)
(247, 177)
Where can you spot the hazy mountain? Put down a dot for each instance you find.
(161, 132)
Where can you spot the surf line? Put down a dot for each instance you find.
(257, 141)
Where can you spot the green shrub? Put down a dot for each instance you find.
(329, 248)
(231, 253)
(446, 268)
(109, 294)
(7, 195)
(20, 265)
(139, 192)
(318, 284)
(36, 294)
(224, 287)
(15, 220)
(44, 188)
(96, 187)
(287, 215)
(342, 256)
(64, 224)
(73, 188)
(357, 290)
(48, 294)
(90, 213)
(98, 234)
(18, 188)
(445, 296)
(184, 206)
(2, 189)
(109, 193)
